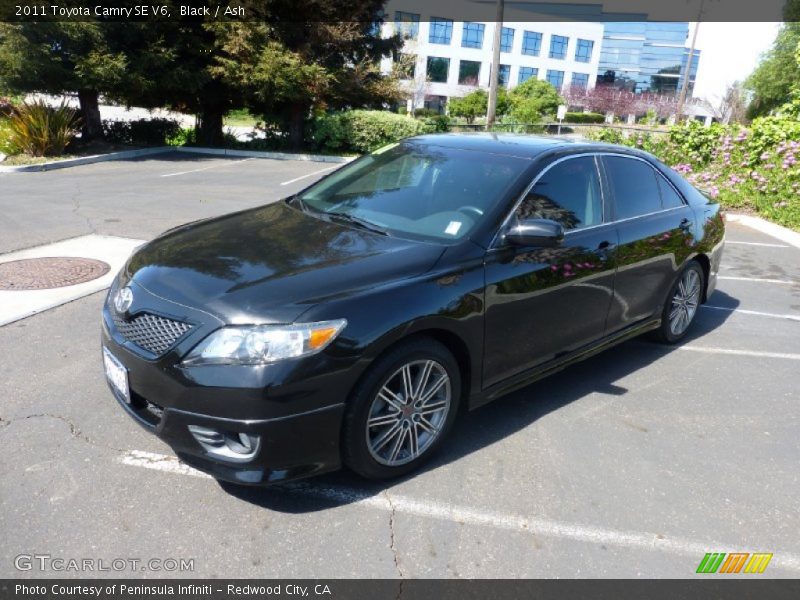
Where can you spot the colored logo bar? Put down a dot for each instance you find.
(734, 562)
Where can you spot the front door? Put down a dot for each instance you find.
(544, 302)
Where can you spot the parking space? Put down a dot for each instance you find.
(633, 463)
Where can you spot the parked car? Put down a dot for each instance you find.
(350, 323)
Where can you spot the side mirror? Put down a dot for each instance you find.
(542, 233)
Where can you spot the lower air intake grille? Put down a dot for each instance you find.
(151, 332)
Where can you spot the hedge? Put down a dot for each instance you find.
(580, 117)
(360, 131)
(141, 132)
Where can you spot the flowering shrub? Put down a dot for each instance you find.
(754, 169)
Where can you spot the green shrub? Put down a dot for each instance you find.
(579, 117)
(41, 130)
(363, 131)
(141, 132)
(6, 145)
(426, 112)
(6, 106)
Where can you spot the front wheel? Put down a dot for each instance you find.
(682, 303)
(401, 410)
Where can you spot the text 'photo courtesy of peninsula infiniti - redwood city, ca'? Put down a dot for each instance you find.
(350, 324)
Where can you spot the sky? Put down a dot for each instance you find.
(730, 52)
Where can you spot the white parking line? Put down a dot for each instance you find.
(757, 244)
(753, 312)
(473, 516)
(310, 174)
(755, 353)
(222, 164)
(759, 280)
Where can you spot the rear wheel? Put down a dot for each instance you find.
(682, 303)
(401, 410)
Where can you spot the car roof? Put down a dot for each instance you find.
(520, 145)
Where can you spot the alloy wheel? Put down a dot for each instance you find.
(685, 302)
(409, 412)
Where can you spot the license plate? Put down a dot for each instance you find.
(117, 375)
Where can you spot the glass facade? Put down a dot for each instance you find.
(526, 73)
(558, 46)
(441, 31)
(555, 78)
(506, 39)
(646, 57)
(473, 35)
(531, 43)
(580, 80)
(407, 24)
(583, 51)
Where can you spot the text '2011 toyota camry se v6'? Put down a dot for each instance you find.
(350, 323)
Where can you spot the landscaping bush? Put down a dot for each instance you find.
(580, 117)
(754, 169)
(363, 131)
(141, 132)
(6, 145)
(41, 130)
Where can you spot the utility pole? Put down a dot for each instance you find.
(687, 75)
(495, 70)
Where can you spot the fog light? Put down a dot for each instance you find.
(225, 445)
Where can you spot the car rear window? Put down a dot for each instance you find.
(633, 185)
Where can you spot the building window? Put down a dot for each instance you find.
(580, 80)
(441, 31)
(506, 39)
(526, 73)
(558, 46)
(583, 53)
(472, 36)
(503, 75)
(406, 66)
(406, 24)
(556, 79)
(468, 72)
(531, 43)
(438, 69)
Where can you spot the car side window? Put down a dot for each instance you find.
(633, 185)
(669, 197)
(568, 193)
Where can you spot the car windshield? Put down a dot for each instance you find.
(414, 190)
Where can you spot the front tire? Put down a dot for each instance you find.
(401, 410)
(681, 305)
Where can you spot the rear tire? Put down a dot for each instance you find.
(681, 304)
(401, 410)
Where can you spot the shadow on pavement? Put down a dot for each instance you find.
(486, 425)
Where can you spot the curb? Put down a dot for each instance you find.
(779, 232)
(323, 158)
(85, 160)
(126, 154)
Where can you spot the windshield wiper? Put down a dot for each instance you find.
(358, 221)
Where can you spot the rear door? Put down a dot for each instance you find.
(655, 234)
(544, 302)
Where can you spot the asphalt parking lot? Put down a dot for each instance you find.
(632, 464)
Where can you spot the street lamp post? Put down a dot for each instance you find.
(688, 74)
(495, 70)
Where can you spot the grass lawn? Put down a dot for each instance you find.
(240, 118)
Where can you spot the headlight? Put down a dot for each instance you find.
(261, 344)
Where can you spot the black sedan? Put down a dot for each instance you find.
(352, 322)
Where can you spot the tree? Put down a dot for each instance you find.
(733, 107)
(474, 104)
(533, 99)
(60, 58)
(772, 80)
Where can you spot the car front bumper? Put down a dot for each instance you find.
(294, 408)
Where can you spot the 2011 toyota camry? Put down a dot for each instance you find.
(352, 322)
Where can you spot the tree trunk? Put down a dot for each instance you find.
(209, 132)
(91, 126)
(297, 118)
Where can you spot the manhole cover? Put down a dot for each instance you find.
(50, 272)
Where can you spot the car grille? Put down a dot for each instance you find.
(151, 332)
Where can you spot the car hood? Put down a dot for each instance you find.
(272, 263)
